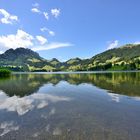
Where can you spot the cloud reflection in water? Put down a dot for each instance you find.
(114, 97)
(28, 103)
(8, 127)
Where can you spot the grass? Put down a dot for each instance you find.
(5, 73)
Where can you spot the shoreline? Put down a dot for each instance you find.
(80, 72)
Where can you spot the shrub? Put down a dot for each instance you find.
(4, 73)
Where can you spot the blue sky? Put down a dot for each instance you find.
(68, 28)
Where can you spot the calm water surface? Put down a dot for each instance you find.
(74, 106)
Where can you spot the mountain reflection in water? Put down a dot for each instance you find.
(84, 106)
(126, 83)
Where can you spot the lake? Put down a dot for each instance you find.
(70, 106)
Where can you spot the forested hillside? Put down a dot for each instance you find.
(123, 58)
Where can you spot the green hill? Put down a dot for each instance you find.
(126, 53)
(22, 59)
(124, 58)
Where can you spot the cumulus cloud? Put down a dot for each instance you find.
(50, 46)
(20, 39)
(55, 12)
(113, 44)
(35, 10)
(41, 40)
(51, 33)
(46, 15)
(7, 18)
(26, 40)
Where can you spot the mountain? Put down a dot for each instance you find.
(55, 62)
(126, 57)
(20, 53)
(22, 59)
(126, 52)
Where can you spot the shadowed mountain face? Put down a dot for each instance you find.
(20, 54)
(22, 59)
(26, 84)
(123, 58)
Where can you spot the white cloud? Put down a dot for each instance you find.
(26, 40)
(43, 29)
(1, 52)
(46, 15)
(35, 10)
(113, 44)
(136, 43)
(55, 12)
(51, 33)
(7, 17)
(20, 39)
(36, 5)
(41, 40)
(50, 46)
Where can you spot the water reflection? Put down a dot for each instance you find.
(114, 97)
(70, 106)
(26, 84)
(7, 127)
(24, 104)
